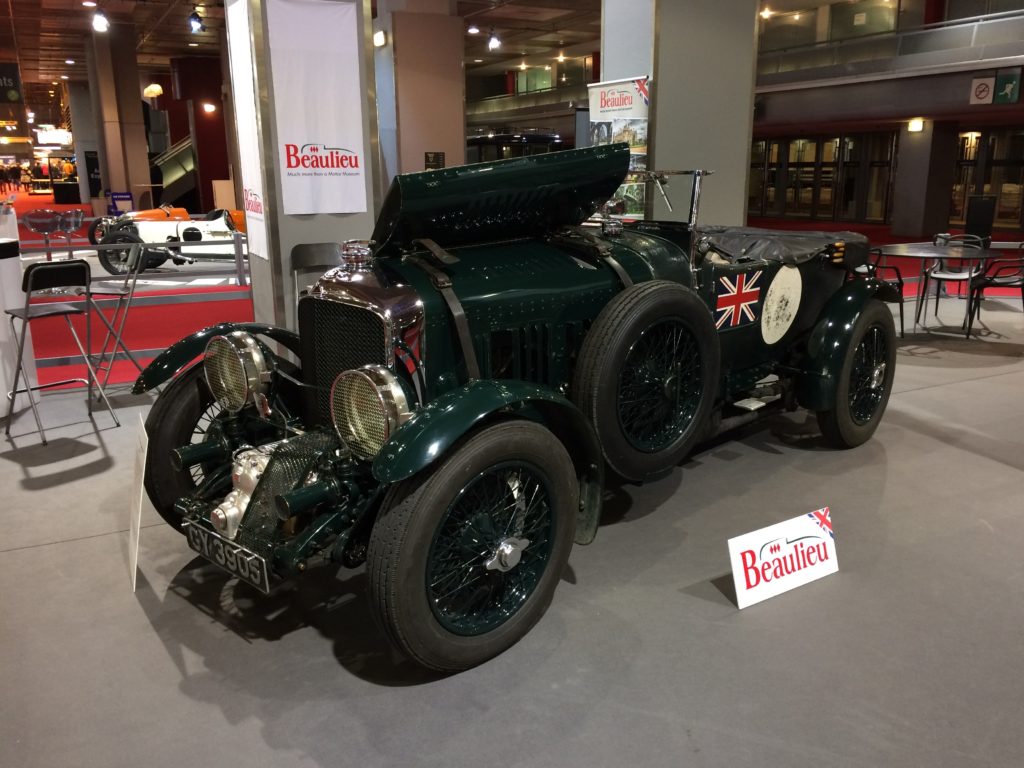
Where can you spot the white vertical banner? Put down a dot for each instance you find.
(242, 76)
(619, 112)
(318, 105)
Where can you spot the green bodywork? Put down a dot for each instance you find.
(173, 359)
(530, 281)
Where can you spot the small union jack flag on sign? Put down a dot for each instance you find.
(641, 87)
(824, 520)
(736, 299)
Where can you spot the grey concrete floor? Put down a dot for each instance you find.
(909, 656)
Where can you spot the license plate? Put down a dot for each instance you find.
(248, 566)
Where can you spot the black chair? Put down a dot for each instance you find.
(877, 269)
(950, 270)
(999, 273)
(47, 276)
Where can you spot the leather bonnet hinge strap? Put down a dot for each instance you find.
(586, 242)
(443, 284)
(437, 251)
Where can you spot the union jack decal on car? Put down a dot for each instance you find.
(824, 520)
(736, 298)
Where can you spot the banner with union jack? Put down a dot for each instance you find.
(736, 299)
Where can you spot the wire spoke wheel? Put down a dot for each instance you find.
(659, 386)
(863, 379)
(464, 556)
(490, 550)
(867, 376)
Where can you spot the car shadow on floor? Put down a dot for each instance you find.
(330, 600)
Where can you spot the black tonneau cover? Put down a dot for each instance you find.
(750, 243)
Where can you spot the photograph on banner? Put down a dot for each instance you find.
(619, 113)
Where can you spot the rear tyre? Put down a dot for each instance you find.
(646, 377)
(865, 379)
(465, 557)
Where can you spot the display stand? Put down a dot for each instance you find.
(12, 296)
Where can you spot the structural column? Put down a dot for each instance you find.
(114, 83)
(922, 179)
(701, 57)
(421, 85)
(255, 95)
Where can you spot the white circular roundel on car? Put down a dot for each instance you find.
(781, 304)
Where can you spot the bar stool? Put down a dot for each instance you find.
(43, 222)
(71, 274)
(134, 265)
(70, 221)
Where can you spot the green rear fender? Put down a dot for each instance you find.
(828, 342)
(181, 353)
(435, 429)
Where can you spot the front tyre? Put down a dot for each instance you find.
(184, 413)
(465, 557)
(115, 260)
(865, 379)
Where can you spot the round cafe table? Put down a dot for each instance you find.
(928, 252)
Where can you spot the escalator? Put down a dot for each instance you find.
(177, 167)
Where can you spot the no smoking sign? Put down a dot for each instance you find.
(981, 90)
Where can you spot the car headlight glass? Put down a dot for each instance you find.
(236, 370)
(367, 405)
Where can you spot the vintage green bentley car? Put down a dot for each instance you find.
(460, 387)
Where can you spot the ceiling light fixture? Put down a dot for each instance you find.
(100, 22)
(195, 22)
(380, 38)
(89, 3)
(478, 61)
(208, 107)
(69, 61)
(561, 57)
(473, 30)
(916, 125)
(193, 45)
(766, 13)
(63, 77)
(493, 43)
(153, 90)
(523, 65)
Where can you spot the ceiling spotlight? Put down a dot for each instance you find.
(193, 45)
(89, 3)
(69, 61)
(54, 83)
(100, 22)
(478, 61)
(380, 38)
(63, 77)
(153, 90)
(208, 107)
(766, 13)
(523, 65)
(493, 43)
(195, 22)
(561, 57)
(473, 29)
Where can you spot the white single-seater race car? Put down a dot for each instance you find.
(165, 225)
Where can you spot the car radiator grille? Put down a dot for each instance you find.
(336, 337)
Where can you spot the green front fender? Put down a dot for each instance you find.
(165, 365)
(435, 428)
(828, 342)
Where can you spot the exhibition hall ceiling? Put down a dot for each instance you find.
(44, 35)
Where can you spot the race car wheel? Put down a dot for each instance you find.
(184, 413)
(646, 377)
(98, 229)
(115, 261)
(465, 556)
(865, 379)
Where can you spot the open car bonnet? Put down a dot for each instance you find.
(502, 200)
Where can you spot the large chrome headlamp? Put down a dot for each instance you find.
(236, 370)
(367, 405)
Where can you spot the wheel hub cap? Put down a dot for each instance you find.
(878, 376)
(507, 555)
